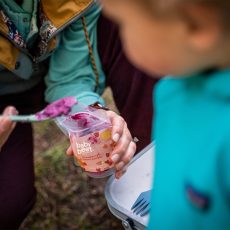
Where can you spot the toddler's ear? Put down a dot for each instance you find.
(204, 26)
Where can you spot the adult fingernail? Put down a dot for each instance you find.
(135, 139)
(115, 158)
(120, 165)
(116, 137)
(11, 111)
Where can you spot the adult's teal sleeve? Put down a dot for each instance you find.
(70, 72)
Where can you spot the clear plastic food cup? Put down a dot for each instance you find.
(90, 137)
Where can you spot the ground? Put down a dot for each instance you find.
(66, 197)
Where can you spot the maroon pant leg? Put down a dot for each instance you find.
(17, 191)
(132, 89)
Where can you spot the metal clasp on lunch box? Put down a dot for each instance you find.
(128, 224)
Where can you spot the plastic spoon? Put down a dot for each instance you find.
(56, 109)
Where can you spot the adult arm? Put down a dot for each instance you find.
(70, 72)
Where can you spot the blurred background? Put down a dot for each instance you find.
(66, 197)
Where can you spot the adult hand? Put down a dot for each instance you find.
(6, 126)
(125, 146)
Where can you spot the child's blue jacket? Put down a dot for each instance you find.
(192, 171)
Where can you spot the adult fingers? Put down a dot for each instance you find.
(120, 173)
(118, 124)
(126, 157)
(6, 125)
(121, 146)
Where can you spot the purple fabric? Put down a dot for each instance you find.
(132, 89)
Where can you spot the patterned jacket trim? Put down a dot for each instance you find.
(54, 16)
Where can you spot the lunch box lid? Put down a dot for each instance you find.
(121, 194)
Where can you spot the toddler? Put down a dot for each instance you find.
(188, 40)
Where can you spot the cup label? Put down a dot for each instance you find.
(84, 148)
(93, 151)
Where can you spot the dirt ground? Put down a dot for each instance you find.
(66, 198)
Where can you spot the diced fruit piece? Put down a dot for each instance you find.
(96, 134)
(105, 135)
(109, 162)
